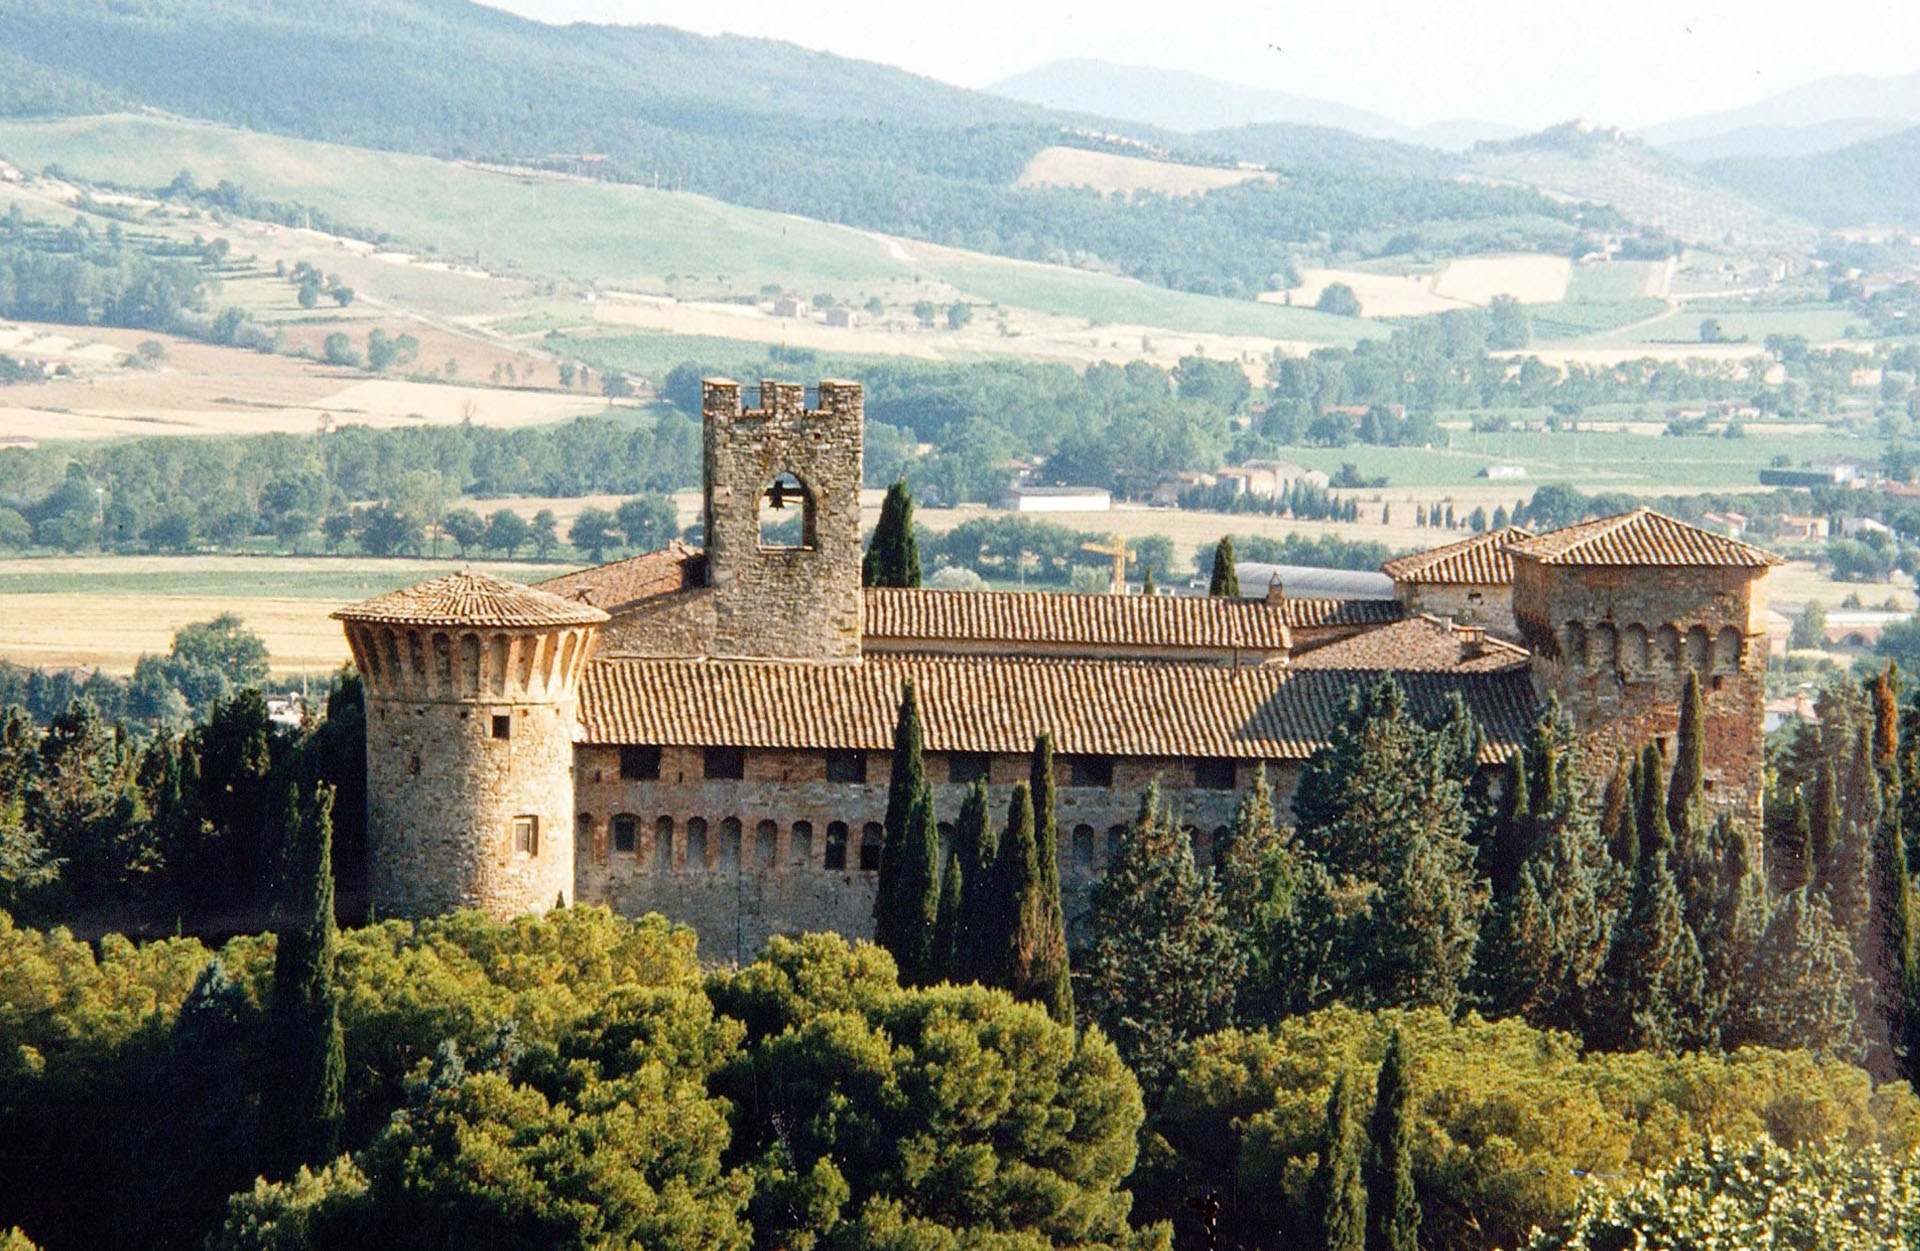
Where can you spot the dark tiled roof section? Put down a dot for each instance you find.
(1420, 644)
(998, 704)
(674, 567)
(1139, 621)
(1642, 537)
(1308, 614)
(471, 599)
(1481, 560)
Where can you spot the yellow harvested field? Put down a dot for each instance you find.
(1469, 282)
(112, 631)
(1109, 172)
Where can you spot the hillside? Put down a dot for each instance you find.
(752, 122)
(1647, 186)
(1838, 109)
(1861, 183)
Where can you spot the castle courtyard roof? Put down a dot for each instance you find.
(1481, 560)
(998, 704)
(469, 598)
(900, 616)
(1643, 538)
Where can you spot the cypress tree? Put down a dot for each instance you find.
(1792, 859)
(1803, 986)
(892, 910)
(1052, 980)
(1146, 582)
(1616, 819)
(1510, 841)
(1393, 1208)
(947, 940)
(917, 891)
(1339, 1186)
(1893, 967)
(1886, 727)
(1650, 812)
(1659, 983)
(305, 1091)
(1732, 931)
(893, 556)
(1256, 875)
(974, 848)
(1686, 794)
(1226, 581)
(1015, 912)
(1823, 826)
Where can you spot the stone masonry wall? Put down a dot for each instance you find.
(757, 865)
(800, 602)
(1482, 605)
(1616, 645)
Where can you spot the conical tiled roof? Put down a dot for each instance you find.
(1642, 537)
(472, 599)
(1480, 560)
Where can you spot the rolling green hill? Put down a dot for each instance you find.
(1863, 182)
(753, 122)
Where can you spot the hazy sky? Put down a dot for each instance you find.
(1527, 62)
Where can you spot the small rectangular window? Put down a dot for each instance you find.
(965, 767)
(526, 835)
(726, 764)
(502, 725)
(640, 764)
(1093, 771)
(1213, 774)
(846, 766)
(626, 833)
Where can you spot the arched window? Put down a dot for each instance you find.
(1116, 835)
(870, 838)
(1726, 650)
(626, 833)
(836, 858)
(1083, 846)
(1603, 647)
(800, 845)
(730, 843)
(663, 845)
(696, 857)
(786, 514)
(764, 836)
(1699, 648)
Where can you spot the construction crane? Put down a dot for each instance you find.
(1118, 550)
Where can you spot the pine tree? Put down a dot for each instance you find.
(1052, 980)
(1655, 968)
(1803, 987)
(975, 848)
(1393, 1207)
(1339, 1184)
(305, 1090)
(892, 910)
(1015, 912)
(948, 956)
(893, 555)
(1226, 581)
(1160, 965)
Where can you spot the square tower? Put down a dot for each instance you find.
(782, 517)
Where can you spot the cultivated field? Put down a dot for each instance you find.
(1110, 173)
(1466, 282)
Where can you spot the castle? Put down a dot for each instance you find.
(705, 732)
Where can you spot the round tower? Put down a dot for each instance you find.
(470, 687)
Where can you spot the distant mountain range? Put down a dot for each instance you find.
(1178, 100)
(1817, 117)
(1870, 182)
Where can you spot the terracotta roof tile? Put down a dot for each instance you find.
(1138, 621)
(674, 567)
(469, 598)
(1481, 559)
(998, 704)
(1642, 537)
(1420, 644)
(1307, 614)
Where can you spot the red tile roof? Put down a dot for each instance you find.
(1480, 560)
(471, 599)
(896, 616)
(674, 567)
(1308, 614)
(1642, 537)
(1422, 644)
(998, 704)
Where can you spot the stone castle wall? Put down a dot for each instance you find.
(1490, 606)
(743, 860)
(798, 602)
(1616, 645)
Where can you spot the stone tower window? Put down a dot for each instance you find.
(1083, 846)
(966, 767)
(800, 845)
(871, 835)
(663, 845)
(726, 764)
(502, 725)
(626, 832)
(786, 514)
(696, 857)
(640, 764)
(836, 857)
(1213, 774)
(526, 836)
(1093, 771)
